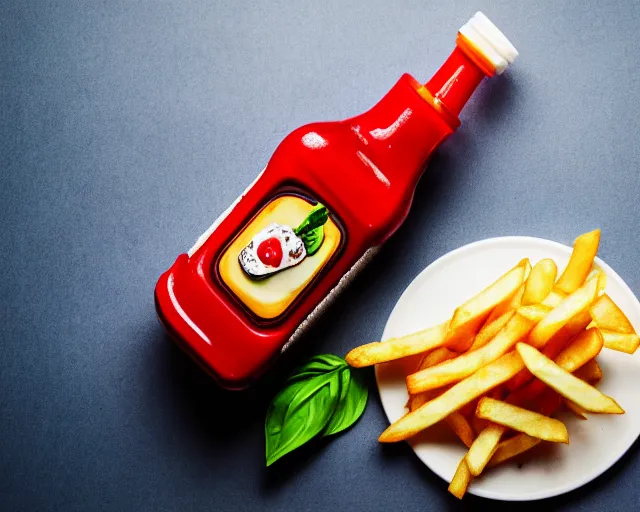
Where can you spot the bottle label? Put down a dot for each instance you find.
(278, 253)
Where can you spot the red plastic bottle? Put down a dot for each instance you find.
(363, 170)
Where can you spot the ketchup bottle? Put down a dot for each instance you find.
(331, 194)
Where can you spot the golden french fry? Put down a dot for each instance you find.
(580, 350)
(485, 379)
(534, 312)
(482, 449)
(576, 325)
(488, 331)
(510, 304)
(468, 318)
(462, 366)
(461, 427)
(434, 357)
(461, 480)
(573, 305)
(554, 298)
(565, 383)
(396, 348)
(540, 282)
(576, 409)
(417, 401)
(621, 342)
(480, 452)
(609, 317)
(590, 372)
(510, 448)
(584, 251)
(522, 420)
(553, 347)
(602, 281)
(583, 348)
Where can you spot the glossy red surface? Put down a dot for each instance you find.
(364, 169)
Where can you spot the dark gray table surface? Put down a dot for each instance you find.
(127, 127)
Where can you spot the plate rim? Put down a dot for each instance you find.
(611, 275)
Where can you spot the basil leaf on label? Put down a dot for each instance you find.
(313, 240)
(299, 413)
(320, 398)
(353, 400)
(317, 217)
(311, 229)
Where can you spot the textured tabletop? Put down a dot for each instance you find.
(126, 127)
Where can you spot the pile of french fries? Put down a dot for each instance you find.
(509, 358)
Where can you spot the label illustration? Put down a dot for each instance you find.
(278, 254)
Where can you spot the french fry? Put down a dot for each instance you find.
(510, 304)
(534, 312)
(627, 343)
(396, 348)
(468, 317)
(483, 447)
(554, 298)
(464, 365)
(488, 331)
(522, 420)
(576, 409)
(574, 304)
(434, 357)
(590, 372)
(609, 317)
(586, 346)
(580, 350)
(417, 401)
(461, 427)
(510, 448)
(565, 383)
(540, 282)
(584, 251)
(553, 347)
(485, 379)
(602, 280)
(461, 480)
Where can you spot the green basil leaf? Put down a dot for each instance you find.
(313, 240)
(322, 397)
(317, 365)
(300, 412)
(316, 218)
(353, 400)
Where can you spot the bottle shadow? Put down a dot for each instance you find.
(203, 402)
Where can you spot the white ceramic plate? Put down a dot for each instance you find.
(595, 445)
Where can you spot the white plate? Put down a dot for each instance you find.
(595, 445)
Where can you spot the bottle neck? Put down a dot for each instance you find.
(402, 130)
(455, 81)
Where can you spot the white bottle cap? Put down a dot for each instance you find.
(489, 41)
